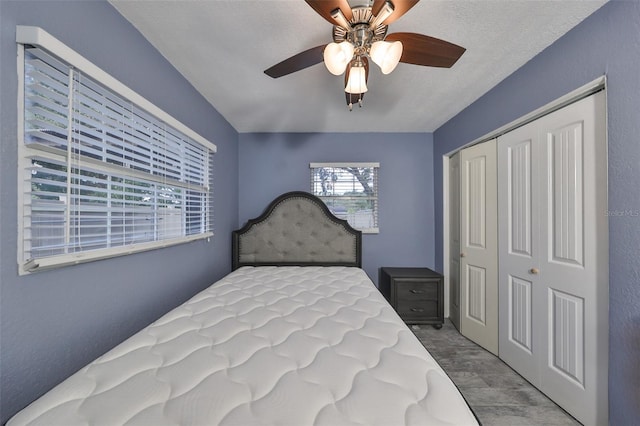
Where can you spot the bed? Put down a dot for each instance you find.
(296, 334)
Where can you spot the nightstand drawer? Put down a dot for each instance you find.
(422, 309)
(416, 290)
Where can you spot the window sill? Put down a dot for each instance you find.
(52, 262)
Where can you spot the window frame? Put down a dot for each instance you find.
(35, 36)
(343, 165)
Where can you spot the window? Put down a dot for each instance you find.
(103, 172)
(350, 190)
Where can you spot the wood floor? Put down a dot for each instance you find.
(496, 393)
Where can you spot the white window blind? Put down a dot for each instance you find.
(101, 175)
(350, 190)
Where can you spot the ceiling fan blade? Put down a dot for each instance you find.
(325, 7)
(400, 8)
(419, 49)
(297, 62)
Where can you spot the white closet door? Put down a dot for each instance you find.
(454, 240)
(555, 295)
(519, 249)
(574, 259)
(479, 245)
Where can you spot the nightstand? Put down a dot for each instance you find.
(417, 294)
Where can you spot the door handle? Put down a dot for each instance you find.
(414, 291)
(462, 254)
(417, 310)
(534, 271)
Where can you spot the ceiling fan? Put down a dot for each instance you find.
(360, 34)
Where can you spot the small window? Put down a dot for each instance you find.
(102, 175)
(350, 190)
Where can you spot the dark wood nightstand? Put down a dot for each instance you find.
(417, 294)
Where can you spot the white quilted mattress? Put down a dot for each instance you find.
(268, 345)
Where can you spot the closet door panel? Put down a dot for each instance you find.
(518, 246)
(565, 177)
(519, 198)
(519, 320)
(475, 180)
(479, 251)
(476, 289)
(567, 331)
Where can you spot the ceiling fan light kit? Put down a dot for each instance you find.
(360, 33)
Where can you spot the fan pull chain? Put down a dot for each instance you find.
(360, 101)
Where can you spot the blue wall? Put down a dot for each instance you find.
(55, 322)
(271, 164)
(605, 43)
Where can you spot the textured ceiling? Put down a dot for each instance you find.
(223, 47)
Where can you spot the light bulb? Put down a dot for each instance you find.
(386, 55)
(337, 56)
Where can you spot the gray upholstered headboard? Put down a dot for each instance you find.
(297, 228)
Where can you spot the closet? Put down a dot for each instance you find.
(552, 252)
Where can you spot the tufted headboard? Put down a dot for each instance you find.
(298, 229)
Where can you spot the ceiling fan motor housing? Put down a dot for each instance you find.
(360, 34)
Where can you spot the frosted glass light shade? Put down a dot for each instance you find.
(337, 56)
(386, 55)
(357, 82)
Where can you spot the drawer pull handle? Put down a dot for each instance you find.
(414, 291)
(417, 310)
